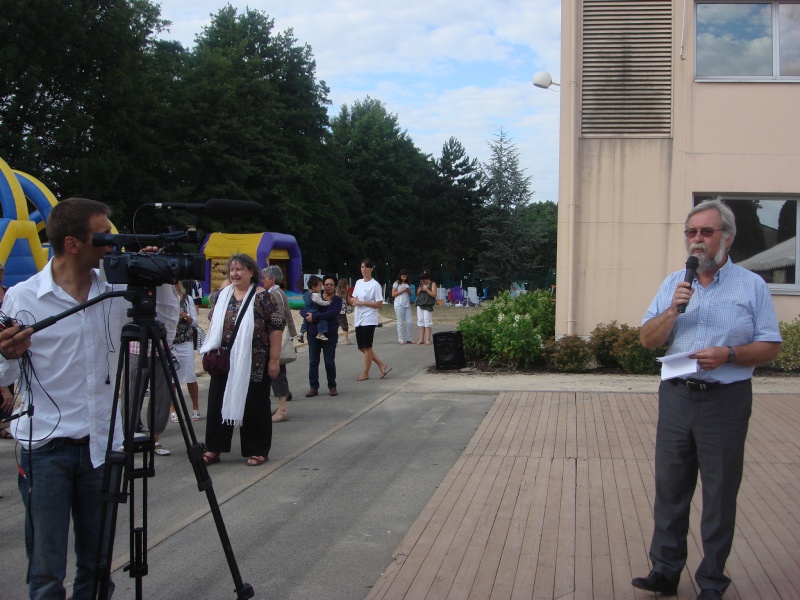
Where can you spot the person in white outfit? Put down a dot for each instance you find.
(401, 292)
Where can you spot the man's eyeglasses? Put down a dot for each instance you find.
(328, 284)
(706, 232)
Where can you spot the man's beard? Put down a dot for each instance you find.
(707, 263)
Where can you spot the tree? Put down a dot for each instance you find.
(391, 179)
(253, 125)
(509, 244)
(461, 197)
(74, 93)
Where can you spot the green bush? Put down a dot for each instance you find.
(570, 354)
(510, 332)
(635, 358)
(602, 340)
(789, 356)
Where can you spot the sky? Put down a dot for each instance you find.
(445, 68)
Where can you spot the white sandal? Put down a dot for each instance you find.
(161, 451)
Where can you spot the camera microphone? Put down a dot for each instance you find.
(216, 207)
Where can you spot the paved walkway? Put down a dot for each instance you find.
(552, 499)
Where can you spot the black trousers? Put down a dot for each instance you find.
(256, 429)
(698, 431)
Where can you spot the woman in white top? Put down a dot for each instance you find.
(367, 298)
(401, 292)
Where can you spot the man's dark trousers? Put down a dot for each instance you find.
(705, 431)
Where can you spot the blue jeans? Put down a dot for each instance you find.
(62, 481)
(328, 350)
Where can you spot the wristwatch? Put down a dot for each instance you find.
(731, 354)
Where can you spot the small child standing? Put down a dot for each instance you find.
(313, 300)
(343, 291)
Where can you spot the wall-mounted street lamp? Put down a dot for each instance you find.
(543, 80)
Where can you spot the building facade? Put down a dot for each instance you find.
(665, 104)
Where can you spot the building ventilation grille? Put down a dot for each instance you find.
(627, 68)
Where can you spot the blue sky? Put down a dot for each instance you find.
(458, 68)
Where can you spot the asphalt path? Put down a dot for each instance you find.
(347, 477)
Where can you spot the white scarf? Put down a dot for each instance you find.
(241, 355)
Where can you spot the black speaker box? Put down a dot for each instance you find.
(448, 347)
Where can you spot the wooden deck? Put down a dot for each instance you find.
(553, 498)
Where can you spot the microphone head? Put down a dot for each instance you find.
(692, 262)
(219, 207)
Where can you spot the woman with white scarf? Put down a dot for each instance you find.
(241, 398)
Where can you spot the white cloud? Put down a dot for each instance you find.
(458, 68)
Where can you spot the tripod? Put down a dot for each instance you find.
(121, 467)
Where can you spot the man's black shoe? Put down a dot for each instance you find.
(656, 582)
(709, 595)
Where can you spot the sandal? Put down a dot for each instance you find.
(386, 372)
(5, 434)
(161, 451)
(280, 416)
(256, 461)
(208, 459)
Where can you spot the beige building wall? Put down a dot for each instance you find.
(623, 201)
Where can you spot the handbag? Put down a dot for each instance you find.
(425, 300)
(218, 361)
(288, 353)
(198, 336)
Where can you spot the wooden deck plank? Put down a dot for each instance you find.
(553, 499)
(531, 544)
(496, 535)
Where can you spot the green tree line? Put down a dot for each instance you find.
(94, 103)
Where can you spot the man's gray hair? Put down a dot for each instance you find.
(272, 272)
(725, 213)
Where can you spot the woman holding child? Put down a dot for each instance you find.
(330, 316)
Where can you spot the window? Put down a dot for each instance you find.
(748, 41)
(766, 237)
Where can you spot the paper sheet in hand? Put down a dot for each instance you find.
(676, 365)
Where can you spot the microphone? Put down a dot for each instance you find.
(691, 270)
(219, 207)
(216, 207)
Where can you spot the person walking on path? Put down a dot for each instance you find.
(327, 348)
(271, 277)
(426, 300)
(729, 326)
(401, 292)
(343, 291)
(367, 299)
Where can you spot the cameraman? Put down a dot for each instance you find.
(69, 379)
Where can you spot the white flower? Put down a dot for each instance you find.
(500, 317)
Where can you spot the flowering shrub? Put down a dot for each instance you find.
(510, 332)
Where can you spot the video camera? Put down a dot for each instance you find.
(148, 268)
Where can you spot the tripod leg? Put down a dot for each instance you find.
(195, 452)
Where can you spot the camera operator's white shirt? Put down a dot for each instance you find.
(72, 360)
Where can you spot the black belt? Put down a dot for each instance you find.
(72, 441)
(696, 385)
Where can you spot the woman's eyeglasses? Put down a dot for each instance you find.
(706, 232)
